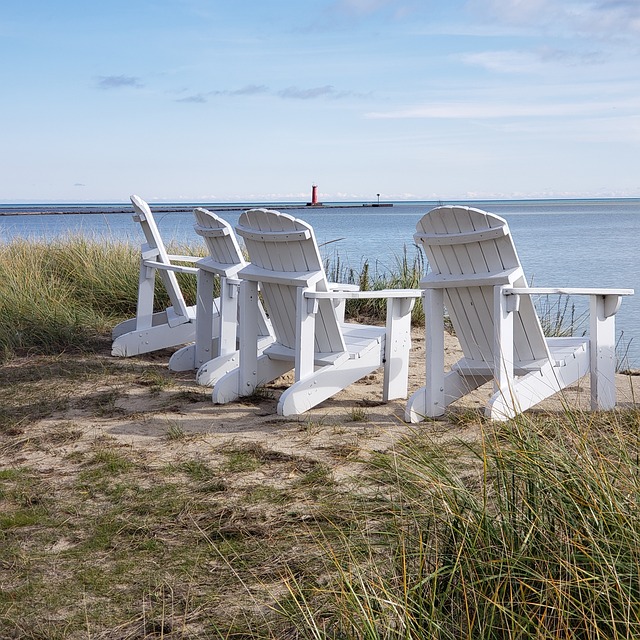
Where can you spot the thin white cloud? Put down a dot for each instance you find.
(502, 61)
(518, 11)
(600, 18)
(471, 110)
(250, 90)
(247, 90)
(341, 13)
(535, 60)
(197, 98)
(326, 91)
(288, 93)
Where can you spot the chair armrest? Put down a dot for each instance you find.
(288, 278)
(363, 295)
(612, 297)
(169, 267)
(339, 286)
(185, 258)
(563, 291)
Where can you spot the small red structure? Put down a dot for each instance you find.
(314, 197)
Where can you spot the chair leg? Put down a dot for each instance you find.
(503, 384)
(183, 359)
(397, 347)
(146, 292)
(528, 390)
(429, 401)
(248, 363)
(158, 337)
(602, 355)
(213, 370)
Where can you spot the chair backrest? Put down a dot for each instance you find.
(463, 242)
(142, 215)
(286, 249)
(225, 255)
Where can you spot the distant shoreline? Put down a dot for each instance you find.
(95, 208)
(106, 209)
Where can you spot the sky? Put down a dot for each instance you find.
(256, 100)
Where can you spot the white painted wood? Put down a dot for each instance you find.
(248, 338)
(570, 291)
(137, 341)
(213, 370)
(476, 273)
(603, 354)
(429, 401)
(229, 292)
(152, 330)
(397, 347)
(217, 319)
(503, 354)
(207, 320)
(226, 388)
(325, 353)
(305, 311)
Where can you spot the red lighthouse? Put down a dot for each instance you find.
(314, 197)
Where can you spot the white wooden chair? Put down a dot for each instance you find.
(475, 273)
(149, 330)
(214, 351)
(326, 354)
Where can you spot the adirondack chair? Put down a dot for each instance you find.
(214, 351)
(326, 354)
(475, 273)
(149, 330)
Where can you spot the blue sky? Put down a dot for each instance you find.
(254, 100)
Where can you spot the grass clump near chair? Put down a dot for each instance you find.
(63, 294)
(533, 532)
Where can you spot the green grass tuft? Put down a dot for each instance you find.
(532, 533)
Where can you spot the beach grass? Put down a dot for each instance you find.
(108, 543)
(532, 531)
(404, 274)
(68, 293)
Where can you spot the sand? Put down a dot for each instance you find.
(137, 403)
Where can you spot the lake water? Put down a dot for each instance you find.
(578, 243)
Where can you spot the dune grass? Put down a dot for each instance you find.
(532, 532)
(68, 293)
(404, 274)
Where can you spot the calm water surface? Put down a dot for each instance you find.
(579, 243)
